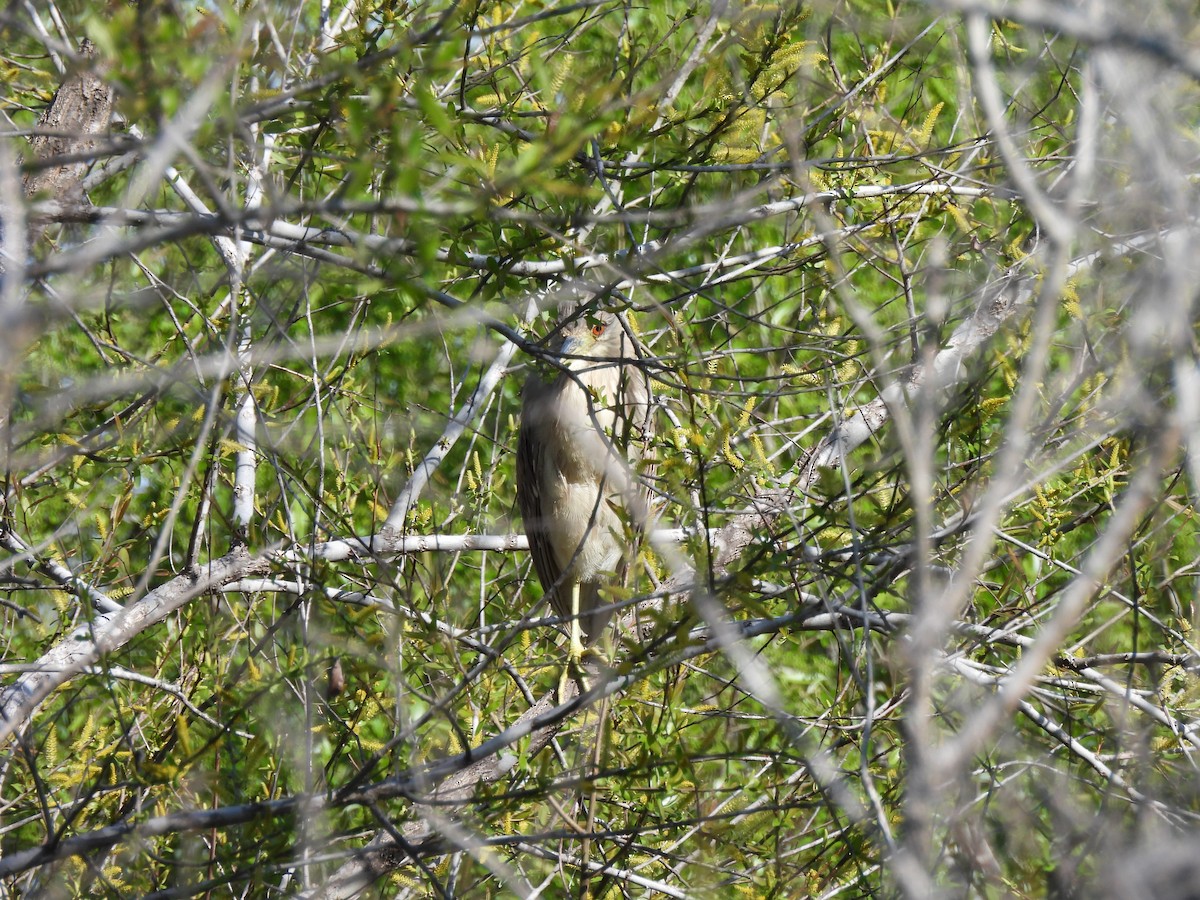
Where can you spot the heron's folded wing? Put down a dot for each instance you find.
(530, 469)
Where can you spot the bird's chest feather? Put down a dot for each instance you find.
(583, 526)
(583, 427)
(579, 500)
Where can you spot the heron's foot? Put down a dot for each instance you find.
(583, 665)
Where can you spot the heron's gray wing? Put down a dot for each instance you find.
(531, 468)
(638, 416)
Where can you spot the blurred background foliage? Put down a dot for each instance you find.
(453, 163)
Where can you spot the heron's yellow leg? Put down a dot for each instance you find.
(576, 649)
(573, 670)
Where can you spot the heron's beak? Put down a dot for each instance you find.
(571, 346)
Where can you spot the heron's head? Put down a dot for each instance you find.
(592, 335)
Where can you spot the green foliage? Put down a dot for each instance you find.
(446, 164)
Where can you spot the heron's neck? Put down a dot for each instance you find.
(584, 419)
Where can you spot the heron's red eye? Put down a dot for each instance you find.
(597, 330)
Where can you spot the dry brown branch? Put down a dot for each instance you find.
(68, 132)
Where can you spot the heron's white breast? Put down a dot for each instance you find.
(581, 530)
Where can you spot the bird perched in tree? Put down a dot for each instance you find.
(581, 434)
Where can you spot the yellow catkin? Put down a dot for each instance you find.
(560, 74)
(886, 141)
(959, 217)
(761, 453)
(730, 457)
(1071, 301)
(493, 156)
(184, 733)
(112, 875)
(747, 411)
(653, 566)
(921, 138)
(86, 735)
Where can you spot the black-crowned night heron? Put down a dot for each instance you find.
(581, 434)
